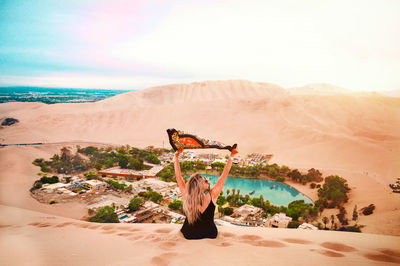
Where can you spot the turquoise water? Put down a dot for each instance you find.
(277, 193)
(54, 95)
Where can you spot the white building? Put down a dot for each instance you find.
(307, 226)
(279, 220)
(96, 184)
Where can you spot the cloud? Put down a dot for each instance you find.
(291, 43)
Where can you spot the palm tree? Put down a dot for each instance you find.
(247, 197)
(332, 220)
(220, 210)
(228, 191)
(262, 201)
(325, 220)
(238, 191)
(233, 191)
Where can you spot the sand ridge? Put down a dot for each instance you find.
(354, 136)
(47, 238)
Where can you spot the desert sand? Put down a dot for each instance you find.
(35, 238)
(354, 136)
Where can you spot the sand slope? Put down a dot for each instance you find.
(355, 136)
(48, 239)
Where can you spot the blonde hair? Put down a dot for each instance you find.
(193, 196)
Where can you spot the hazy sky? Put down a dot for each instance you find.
(137, 44)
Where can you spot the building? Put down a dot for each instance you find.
(50, 188)
(307, 226)
(131, 173)
(259, 157)
(279, 220)
(248, 214)
(96, 184)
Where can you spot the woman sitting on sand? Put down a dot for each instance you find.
(198, 205)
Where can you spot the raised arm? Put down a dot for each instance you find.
(178, 174)
(217, 188)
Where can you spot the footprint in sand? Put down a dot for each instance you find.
(93, 226)
(109, 232)
(153, 238)
(296, 241)
(268, 243)
(381, 257)
(163, 259)
(135, 238)
(164, 230)
(338, 247)
(385, 255)
(389, 252)
(257, 241)
(328, 253)
(125, 234)
(64, 224)
(40, 224)
(226, 234)
(83, 225)
(224, 244)
(250, 237)
(5, 225)
(107, 227)
(167, 244)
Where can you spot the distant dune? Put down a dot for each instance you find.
(356, 136)
(319, 89)
(336, 130)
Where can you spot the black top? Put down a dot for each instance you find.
(203, 227)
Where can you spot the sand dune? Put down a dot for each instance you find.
(324, 131)
(355, 136)
(49, 239)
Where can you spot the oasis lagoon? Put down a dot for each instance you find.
(276, 192)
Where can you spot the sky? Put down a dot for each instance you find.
(138, 44)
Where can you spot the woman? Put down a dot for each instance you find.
(199, 206)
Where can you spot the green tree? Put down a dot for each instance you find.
(37, 185)
(135, 204)
(49, 180)
(105, 215)
(90, 176)
(280, 179)
(176, 205)
(335, 190)
(342, 215)
(297, 209)
(151, 158)
(228, 210)
(221, 200)
(355, 213)
(325, 220)
(123, 161)
(314, 175)
(295, 175)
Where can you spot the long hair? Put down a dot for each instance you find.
(193, 195)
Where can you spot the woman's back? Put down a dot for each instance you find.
(203, 227)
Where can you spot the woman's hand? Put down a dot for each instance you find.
(178, 152)
(234, 152)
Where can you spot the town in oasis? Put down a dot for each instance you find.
(130, 185)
